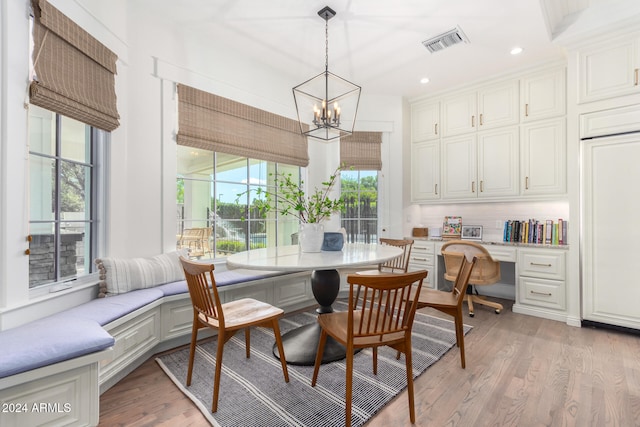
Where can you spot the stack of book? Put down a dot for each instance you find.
(545, 232)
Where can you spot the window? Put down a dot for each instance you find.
(62, 214)
(359, 190)
(212, 221)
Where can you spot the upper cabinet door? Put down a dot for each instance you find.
(498, 162)
(459, 114)
(459, 167)
(609, 70)
(543, 95)
(425, 121)
(498, 105)
(425, 171)
(543, 153)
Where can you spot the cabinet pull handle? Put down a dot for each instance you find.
(636, 76)
(473, 121)
(419, 247)
(526, 183)
(436, 189)
(473, 186)
(419, 259)
(436, 128)
(540, 264)
(482, 186)
(480, 119)
(546, 294)
(526, 110)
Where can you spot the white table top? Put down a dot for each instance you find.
(290, 258)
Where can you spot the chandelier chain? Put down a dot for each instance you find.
(326, 44)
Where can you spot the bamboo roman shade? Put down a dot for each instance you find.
(362, 150)
(74, 73)
(211, 122)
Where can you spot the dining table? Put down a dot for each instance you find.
(301, 343)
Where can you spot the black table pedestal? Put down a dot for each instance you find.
(301, 344)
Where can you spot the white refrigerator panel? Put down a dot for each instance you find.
(611, 230)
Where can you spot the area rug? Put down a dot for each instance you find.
(253, 391)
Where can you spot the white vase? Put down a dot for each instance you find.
(310, 237)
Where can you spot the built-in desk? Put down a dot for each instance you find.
(533, 276)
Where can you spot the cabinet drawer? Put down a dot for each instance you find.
(421, 259)
(502, 253)
(421, 248)
(547, 264)
(542, 292)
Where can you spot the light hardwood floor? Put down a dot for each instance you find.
(521, 371)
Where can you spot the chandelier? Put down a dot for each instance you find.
(327, 101)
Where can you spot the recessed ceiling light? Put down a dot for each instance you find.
(516, 50)
(424, 80)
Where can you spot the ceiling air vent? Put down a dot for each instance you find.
(445, 40)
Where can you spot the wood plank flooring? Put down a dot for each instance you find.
(521, 371)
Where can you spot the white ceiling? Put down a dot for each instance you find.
(378, 44)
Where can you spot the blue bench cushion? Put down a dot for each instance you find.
(223, 278)
(106, 310)
(47, 341)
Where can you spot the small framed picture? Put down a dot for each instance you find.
(472, 232)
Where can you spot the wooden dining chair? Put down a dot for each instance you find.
(450, 302)
(226, 319)
(383, 316)
(399, 264)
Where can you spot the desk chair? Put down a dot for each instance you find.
(383, 315)
(226, 319)
(486, 271)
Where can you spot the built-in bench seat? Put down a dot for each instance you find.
(69, 358)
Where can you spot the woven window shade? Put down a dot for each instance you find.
(213, 123)
(362, 151)
(75, 73)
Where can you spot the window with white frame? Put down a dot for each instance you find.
(62, 197)
(359, 190)
(215, 194)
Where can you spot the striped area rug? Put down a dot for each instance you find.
(253, 391)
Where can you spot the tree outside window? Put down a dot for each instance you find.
(359, 190)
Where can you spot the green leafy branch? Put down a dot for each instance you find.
(290, 199)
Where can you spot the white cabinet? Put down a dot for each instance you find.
(488, 107)
(543, 168)
(425, 120)
(425, 171)
(543, 95)
(482, 165)
(541, 278)
(498, 105)
(609, 69)
(459, 114)
(459, 167)
(422, 258)
(498, 162)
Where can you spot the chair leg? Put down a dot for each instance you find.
(276, 333)
(247, 341)
(409, 363)
(349, 385)
(470, 303)
(460, 337)
(192, 348)
(218, 370)
(319, 353)
(375, 360)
